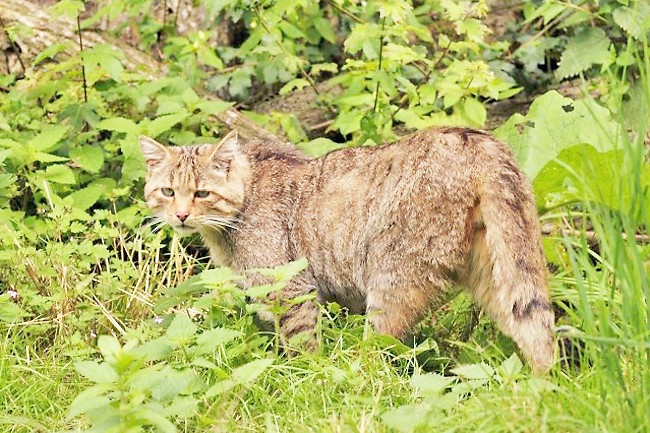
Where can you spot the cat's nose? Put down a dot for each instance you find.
(182, 215)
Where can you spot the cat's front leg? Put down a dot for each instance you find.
(299, 321)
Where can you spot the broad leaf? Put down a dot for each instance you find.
(98, 373)
(90, 158)
(181, 330)
(554, 123)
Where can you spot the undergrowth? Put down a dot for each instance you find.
(107, 324)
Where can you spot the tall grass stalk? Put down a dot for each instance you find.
(613, 286)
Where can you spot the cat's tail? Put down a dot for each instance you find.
(508, 270)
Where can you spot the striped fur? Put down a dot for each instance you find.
(389, 230)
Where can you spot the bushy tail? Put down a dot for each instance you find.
(508, 270)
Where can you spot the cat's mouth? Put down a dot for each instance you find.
(184, 229)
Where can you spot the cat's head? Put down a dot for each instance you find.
(195, 188)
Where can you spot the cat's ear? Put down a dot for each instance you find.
(224, 151)
(152, 151)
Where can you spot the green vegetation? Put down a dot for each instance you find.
(107, 324)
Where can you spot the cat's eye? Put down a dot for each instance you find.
(201, 194)
(168, 192)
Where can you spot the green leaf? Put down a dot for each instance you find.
(154, 417)
(48, 138)
(164, 123)
(324, 27)
(298, 83)
(71, 8)
(510, 368)
(320, 146)
(120, 124)
(284, 272)
(249, 372)
(554, 123)
(90, 158)
(109, 346)
(88, 400)
(412, 418)
(633, 19)
(98, 373)
(50, 52)
(86, 197)
(208, 340)
(105, 57)
(155, 350)
(431, 383)
(184, 407)
(395, 9)
(588, 47)
(47, 157)
(220, 388)
(134, 166)
(10, 312)
(59, 173)
(181, 330)
(474, 371)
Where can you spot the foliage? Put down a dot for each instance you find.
(179, 348)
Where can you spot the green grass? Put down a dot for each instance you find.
(362, 382)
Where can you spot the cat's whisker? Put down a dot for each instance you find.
(219, 222)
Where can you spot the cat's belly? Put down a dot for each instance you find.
(343, 293)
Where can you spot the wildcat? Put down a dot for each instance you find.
(388, 230)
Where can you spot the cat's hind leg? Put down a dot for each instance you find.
(395, 302)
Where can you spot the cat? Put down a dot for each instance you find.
(388, 230)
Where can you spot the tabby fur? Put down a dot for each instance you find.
(389, 230)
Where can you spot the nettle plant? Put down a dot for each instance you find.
(397, 64)
(72, 252)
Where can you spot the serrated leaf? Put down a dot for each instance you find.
(510, 368)
(474, 371)
(208, 340)
(109, 346)
(71, 8)
(184, 407)
(90, 158)
(249, 372)
(588, 47)
(10, 312)
(395, 9)
(295, 84)
(320, 146)
(47, 157)
(59, 173)
(431, 383)
(412, 417)
(119, 124)
(165, 123)
(98, 373)
(155, 350)
(88, 400)
(86, 197)
(181, 330)
(105, 57)
(50, 52)
(284, 272)
(633, 19)
(48, 138)
(154, 417)
(220, 388)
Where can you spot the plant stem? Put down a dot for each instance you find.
(81, 49)
(381, 51)
(304, 73)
